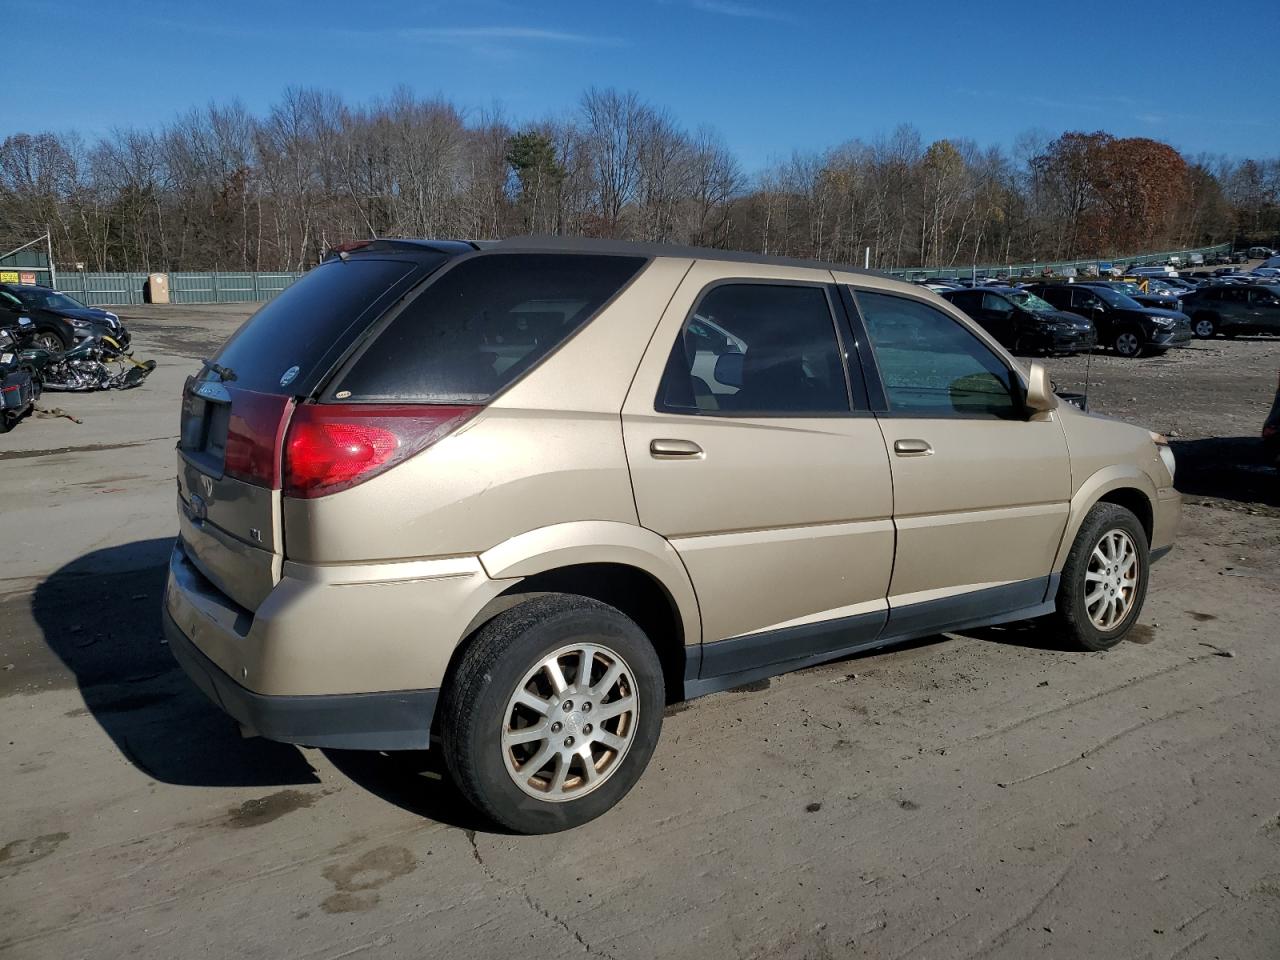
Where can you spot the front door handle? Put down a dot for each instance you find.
(674, 450)
(912, 448)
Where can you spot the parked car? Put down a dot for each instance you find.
(1270, 262)
(1260, 253)
(1151, 297)
(1150, 271)
(1271, 431)
(1269, 273)
(1122, 323)
(1023, 322)
(508, 502)
(60, 320)
(1233, 309)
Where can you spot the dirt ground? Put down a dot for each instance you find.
(976, 795)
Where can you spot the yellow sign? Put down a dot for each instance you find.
(8, 276)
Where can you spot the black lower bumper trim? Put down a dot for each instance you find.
(396, 720)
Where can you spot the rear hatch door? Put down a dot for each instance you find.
(236, 411)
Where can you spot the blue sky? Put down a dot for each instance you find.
(770, 76)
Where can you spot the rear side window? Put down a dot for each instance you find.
(483, 324)
(280, 348)
(757, 350)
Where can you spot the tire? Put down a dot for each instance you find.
(1129, 342)
(47, 338)
(504, 661)
(1076, 618)
(1204, 325)
(7, 422)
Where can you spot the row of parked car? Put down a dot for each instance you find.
(1141, 316)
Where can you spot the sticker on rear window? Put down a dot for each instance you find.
(289, 376)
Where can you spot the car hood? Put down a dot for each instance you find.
(88, 313)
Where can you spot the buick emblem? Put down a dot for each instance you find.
(207, 483)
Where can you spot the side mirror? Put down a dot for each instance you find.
(1040, 395)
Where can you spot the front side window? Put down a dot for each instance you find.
(993, 303)
(756, 350)
(931, 365)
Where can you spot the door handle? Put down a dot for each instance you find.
(674, 450)
(912, 448)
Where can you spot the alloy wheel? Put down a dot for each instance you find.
(1204, 329)
(48, 341)
(1127, 344)
(570, 722)
(1111, 580)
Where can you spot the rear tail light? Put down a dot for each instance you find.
(253, 437)
(331, 447)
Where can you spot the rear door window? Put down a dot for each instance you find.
(757, 350)
(481, 325)
(286, 347)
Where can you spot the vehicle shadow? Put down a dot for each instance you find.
(1031, 634)
(100, 614)
(416, 781)
(1227, 468)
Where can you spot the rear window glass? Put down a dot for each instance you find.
(319, 313)
(482, 324)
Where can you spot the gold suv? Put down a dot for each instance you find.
(509, 500)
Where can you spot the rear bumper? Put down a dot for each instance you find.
(338, 656)
(399, 720)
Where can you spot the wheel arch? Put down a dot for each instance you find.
(1125, 486)
(623, 565)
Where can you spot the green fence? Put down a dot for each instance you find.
(1035, 268)
(123, 289)
(98, 289)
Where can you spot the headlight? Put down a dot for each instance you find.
(79, 324)
(1163, 321)
(1165, 451)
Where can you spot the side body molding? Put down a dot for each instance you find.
(1094, 487)
(599, 541)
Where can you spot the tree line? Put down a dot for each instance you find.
(222, 189)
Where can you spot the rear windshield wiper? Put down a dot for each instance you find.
(225, 374)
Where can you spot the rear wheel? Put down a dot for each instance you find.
(1104, 581)
(553, 713)
(1204, 326)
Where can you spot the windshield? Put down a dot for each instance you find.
(1126, 287)
(1113, 298)
(48, 299)
(1029, 301)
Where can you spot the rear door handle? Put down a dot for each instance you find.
(912, 448)
(674, 450)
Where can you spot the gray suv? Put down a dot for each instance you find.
(1233, 309)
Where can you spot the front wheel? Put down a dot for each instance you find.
(1129, 343)
(51, 340)
(1104, 581)
(552, 713)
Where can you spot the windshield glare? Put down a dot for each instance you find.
(49, 299)
(1029, 301)
(1113, 298)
